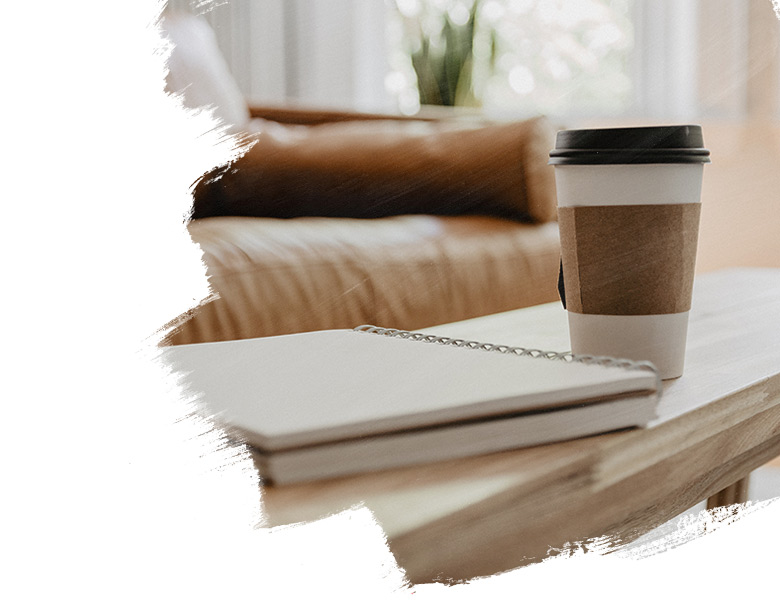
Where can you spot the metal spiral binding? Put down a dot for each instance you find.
(587, 359)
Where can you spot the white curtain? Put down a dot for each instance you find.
(312, 52)
(692, 58)
(708, 58)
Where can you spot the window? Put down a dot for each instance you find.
(659, 59)
(519, 56)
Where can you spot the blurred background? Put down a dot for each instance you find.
(659, 59)
(580, 62)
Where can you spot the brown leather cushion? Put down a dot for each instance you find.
(367, 169)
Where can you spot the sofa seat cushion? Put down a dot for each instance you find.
(279, 276)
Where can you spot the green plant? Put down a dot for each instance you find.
(443, 58)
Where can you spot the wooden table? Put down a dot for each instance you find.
(483, 515)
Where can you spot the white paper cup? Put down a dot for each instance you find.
(649, 168)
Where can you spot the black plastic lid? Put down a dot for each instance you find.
(630, 145)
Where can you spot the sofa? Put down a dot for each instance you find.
(333, 219)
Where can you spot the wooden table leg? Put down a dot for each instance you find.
(736, 493)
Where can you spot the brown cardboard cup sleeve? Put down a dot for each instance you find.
(628, 259)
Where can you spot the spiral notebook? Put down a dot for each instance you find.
(337, 402)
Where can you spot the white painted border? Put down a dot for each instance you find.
(106, 491)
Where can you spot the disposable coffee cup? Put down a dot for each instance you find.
(628, 210)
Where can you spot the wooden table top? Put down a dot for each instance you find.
(479, 516)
